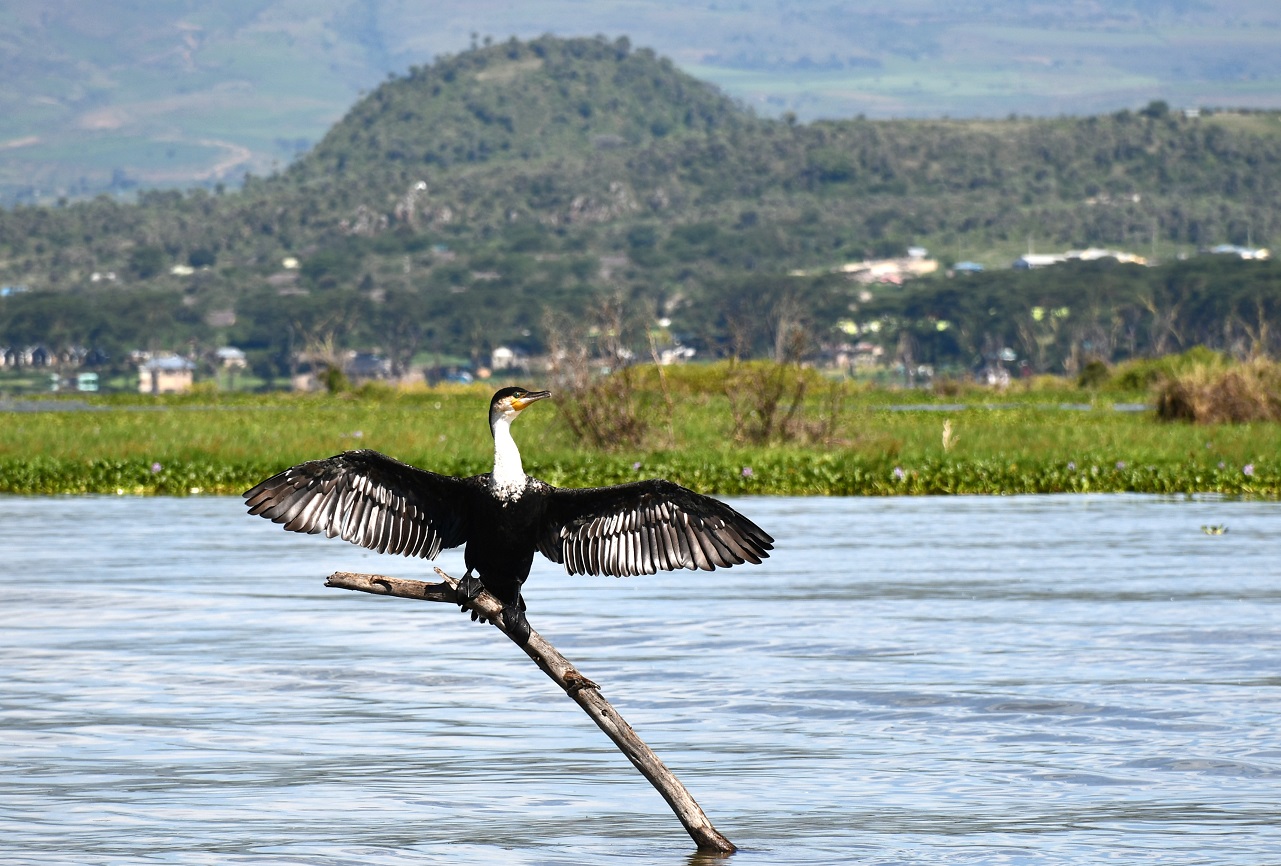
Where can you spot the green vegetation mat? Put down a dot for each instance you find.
(882, 443)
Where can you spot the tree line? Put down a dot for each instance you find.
(455, 203)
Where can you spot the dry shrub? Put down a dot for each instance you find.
(1215, 395)
(948, 386)
(598, 388)
(767, 400)
(602, 411)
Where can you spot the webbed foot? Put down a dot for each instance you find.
(468, 588)
(516, 623)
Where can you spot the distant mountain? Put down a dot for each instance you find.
(118, 96)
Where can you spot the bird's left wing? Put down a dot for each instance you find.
(369, 499)
(644, 527)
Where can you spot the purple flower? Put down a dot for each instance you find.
(1248, 469)
(156, 467)
(1222, 464)
(1120, 464)
(899, 474)
(1071, 466)
(636, 466)
(747, 472)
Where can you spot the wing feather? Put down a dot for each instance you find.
(696, 546)
(369, 499)
(644, 527)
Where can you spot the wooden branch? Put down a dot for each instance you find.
(584, 692)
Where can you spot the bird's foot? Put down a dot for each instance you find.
(516, 623)
(468, 588)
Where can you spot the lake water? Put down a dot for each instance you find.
(1066, 680)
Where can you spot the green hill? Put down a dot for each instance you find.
(118, 96)
(453, 205)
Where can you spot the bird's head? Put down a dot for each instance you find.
(510, 402)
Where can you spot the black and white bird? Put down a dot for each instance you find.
(504, 516)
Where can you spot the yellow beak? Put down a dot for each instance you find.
(520, 403)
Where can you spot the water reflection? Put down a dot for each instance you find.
(1025, 680)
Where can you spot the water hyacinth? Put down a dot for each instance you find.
(780, 473)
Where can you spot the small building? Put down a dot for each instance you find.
(231, 358)
(856, 357)
(675, 354)
(1248, 253)
(1038, 260)
(1092, 254)
(165, 374)
(502, 358)
(366, 365)
(890, 270)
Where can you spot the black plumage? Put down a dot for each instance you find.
(504, 516)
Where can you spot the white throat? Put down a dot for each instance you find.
(508, 478)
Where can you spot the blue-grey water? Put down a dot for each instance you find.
(1066, 680)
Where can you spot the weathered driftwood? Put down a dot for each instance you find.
(584, 692)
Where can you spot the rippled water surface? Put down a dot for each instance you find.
(1064, 680)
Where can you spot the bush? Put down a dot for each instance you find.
(1144, 374)
(147, 262)
(1215, 395)
(767, 400)
(1094, 375)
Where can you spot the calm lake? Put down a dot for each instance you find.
(1066, 680)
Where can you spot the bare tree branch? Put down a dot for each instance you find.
(584, 692)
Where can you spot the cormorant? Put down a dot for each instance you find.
(504, 516)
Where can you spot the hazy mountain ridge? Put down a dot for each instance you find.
(122, 96)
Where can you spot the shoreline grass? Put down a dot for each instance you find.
(1041, 440)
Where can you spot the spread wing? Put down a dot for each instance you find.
(644, 527)
(369, 499)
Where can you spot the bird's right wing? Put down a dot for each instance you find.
(369, 499)
(646, 526)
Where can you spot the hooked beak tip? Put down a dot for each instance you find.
(531, 397)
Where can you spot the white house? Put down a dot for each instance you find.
(165, 374)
